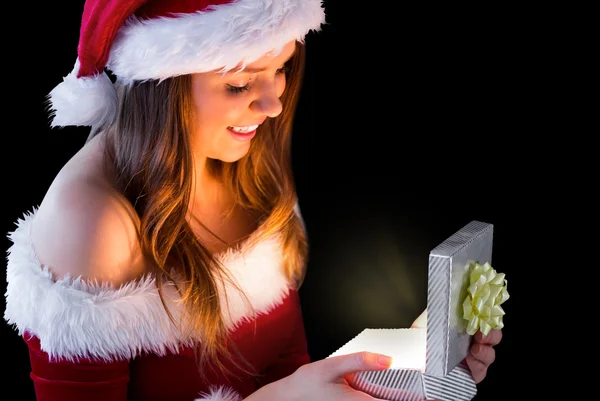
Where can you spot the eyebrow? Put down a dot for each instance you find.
(250, 70)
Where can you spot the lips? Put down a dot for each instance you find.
(244, 133)
(244, 129)
(242, 136)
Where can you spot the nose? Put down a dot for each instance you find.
(267, 101)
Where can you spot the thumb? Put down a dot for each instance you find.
(336, 367)
(421, 321)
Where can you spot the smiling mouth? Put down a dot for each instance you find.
(244, 130)
(243, 134)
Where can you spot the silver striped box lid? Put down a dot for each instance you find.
(447, 340)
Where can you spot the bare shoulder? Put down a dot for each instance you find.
(84, 227)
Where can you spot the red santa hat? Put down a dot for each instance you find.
(141, 40)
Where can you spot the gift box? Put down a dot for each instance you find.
(428, 362)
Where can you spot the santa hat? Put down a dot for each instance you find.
(141, 40)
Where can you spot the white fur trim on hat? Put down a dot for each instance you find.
(72, 317)
(219, 39)
(220, 394)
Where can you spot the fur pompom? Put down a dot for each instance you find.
(220, 394)
(85, 101)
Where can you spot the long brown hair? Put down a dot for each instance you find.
(149, 148)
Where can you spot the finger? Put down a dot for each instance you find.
(421, 321)
(337, 367)
(478, 369)
(483, 353)
(492, 338)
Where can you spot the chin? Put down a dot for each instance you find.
(233, 156)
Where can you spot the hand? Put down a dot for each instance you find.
(421, 321)
(481, 354)
(325, 380)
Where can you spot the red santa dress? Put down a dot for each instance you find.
(95, 342)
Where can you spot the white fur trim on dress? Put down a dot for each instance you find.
(220, 394)
(74, 318)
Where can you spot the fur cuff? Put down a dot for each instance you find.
(220, 394)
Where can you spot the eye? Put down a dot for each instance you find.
(240, 89)
(237, 89)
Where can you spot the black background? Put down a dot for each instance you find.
(412, 122)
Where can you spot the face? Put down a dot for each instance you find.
(229, 107)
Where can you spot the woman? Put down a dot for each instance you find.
(165, 258)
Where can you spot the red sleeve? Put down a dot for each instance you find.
(296, 353)
(75, 381)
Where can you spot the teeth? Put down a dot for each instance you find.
(244, 129)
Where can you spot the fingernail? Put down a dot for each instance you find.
(384, 360)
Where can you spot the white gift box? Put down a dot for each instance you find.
(428, 362)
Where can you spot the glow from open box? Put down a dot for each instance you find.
(406, 379)
(405, 346)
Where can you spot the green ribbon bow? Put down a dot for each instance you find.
(486, 292)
